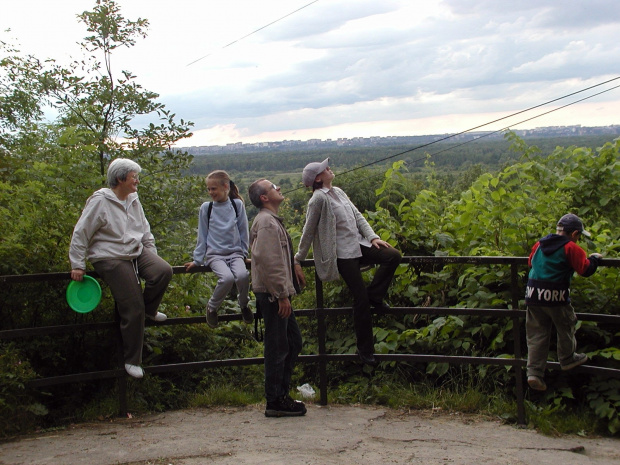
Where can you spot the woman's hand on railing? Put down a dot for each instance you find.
(299, 273)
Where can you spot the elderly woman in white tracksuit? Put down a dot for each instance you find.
(114, 235)
(342, 242)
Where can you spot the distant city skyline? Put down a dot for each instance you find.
(550, 131)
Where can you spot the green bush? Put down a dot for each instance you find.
(19, 409)
(47, 170)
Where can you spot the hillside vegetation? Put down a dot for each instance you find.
(495, 204)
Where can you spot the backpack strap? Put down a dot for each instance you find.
(234, 207)
(210, 209)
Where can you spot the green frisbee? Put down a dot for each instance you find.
(83, 296)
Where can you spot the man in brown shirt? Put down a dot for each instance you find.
(274, 283)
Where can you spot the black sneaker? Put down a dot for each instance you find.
(298, 404)
(285, 407)
(247, 315)
(381, 308)
(368, 359)
(212, 319)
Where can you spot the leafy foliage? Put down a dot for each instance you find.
(504, 214)
(48, 169)
(604, 398)
(18, 405)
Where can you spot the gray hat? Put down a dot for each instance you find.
(570, 222)
(312, 170)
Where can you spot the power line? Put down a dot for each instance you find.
(471, 141)
(483, 125)
(497, 120)
(254, 32)
(474, 128)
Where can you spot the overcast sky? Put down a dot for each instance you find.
(347, 68)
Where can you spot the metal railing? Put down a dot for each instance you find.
(517, 363)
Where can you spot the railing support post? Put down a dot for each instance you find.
(321, 336)
(120, 357)
(516, 335)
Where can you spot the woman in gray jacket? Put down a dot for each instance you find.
(342, 242)
(114, 235)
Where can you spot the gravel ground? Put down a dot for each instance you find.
(326, 435)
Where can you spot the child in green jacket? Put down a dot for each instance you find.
(553, 261)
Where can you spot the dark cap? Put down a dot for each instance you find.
(570, 222)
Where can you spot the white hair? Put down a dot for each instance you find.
(119, 169)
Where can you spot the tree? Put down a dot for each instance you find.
(101, 106)
(49, 168)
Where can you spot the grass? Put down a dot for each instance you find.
(550, 420)
(226, 395)
(548, 416)
(547, 419)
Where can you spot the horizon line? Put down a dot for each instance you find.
(391, 137)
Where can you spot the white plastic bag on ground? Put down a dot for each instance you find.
(306, 390)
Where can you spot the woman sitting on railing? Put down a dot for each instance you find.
(114, 235)
(342, 242)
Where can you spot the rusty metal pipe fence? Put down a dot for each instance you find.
(517, 363)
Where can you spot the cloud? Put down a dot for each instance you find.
(322, 18)
(353, 65)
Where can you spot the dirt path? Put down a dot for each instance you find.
(353, 435)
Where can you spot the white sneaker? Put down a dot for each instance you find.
(134, 370)
(158, 317)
